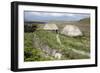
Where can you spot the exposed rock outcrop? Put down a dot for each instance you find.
(37, 43)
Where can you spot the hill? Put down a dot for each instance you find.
(85, 20)
(84, 25)
(43, 46)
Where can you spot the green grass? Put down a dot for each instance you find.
(46, 37)
(30, 52)
(79, 43)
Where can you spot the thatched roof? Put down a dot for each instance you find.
(71, 30)
(50, 27)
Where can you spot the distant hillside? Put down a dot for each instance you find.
(85, 20)
(84, 25)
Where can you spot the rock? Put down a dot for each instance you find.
(71, 30)
(36, 42)
(48, 51)
(58, 55)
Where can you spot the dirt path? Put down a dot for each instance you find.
(74, 50)
(81, 52)
(58, 39)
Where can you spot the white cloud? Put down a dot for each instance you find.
(57, 14)
(47, 14)
(86, 15)
(70, 14)
(36, 13)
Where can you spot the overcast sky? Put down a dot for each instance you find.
(47, 16)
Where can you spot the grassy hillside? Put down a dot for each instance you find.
(85, 21)
(71, 48)
(84, 26)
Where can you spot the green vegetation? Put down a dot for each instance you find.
(30, 52)
(78, 43)
(33, 53)
(48, 38)
(85, 21)
(41, 45)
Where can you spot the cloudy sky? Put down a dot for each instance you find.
(51, 16)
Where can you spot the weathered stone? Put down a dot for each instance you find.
(45, 48)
